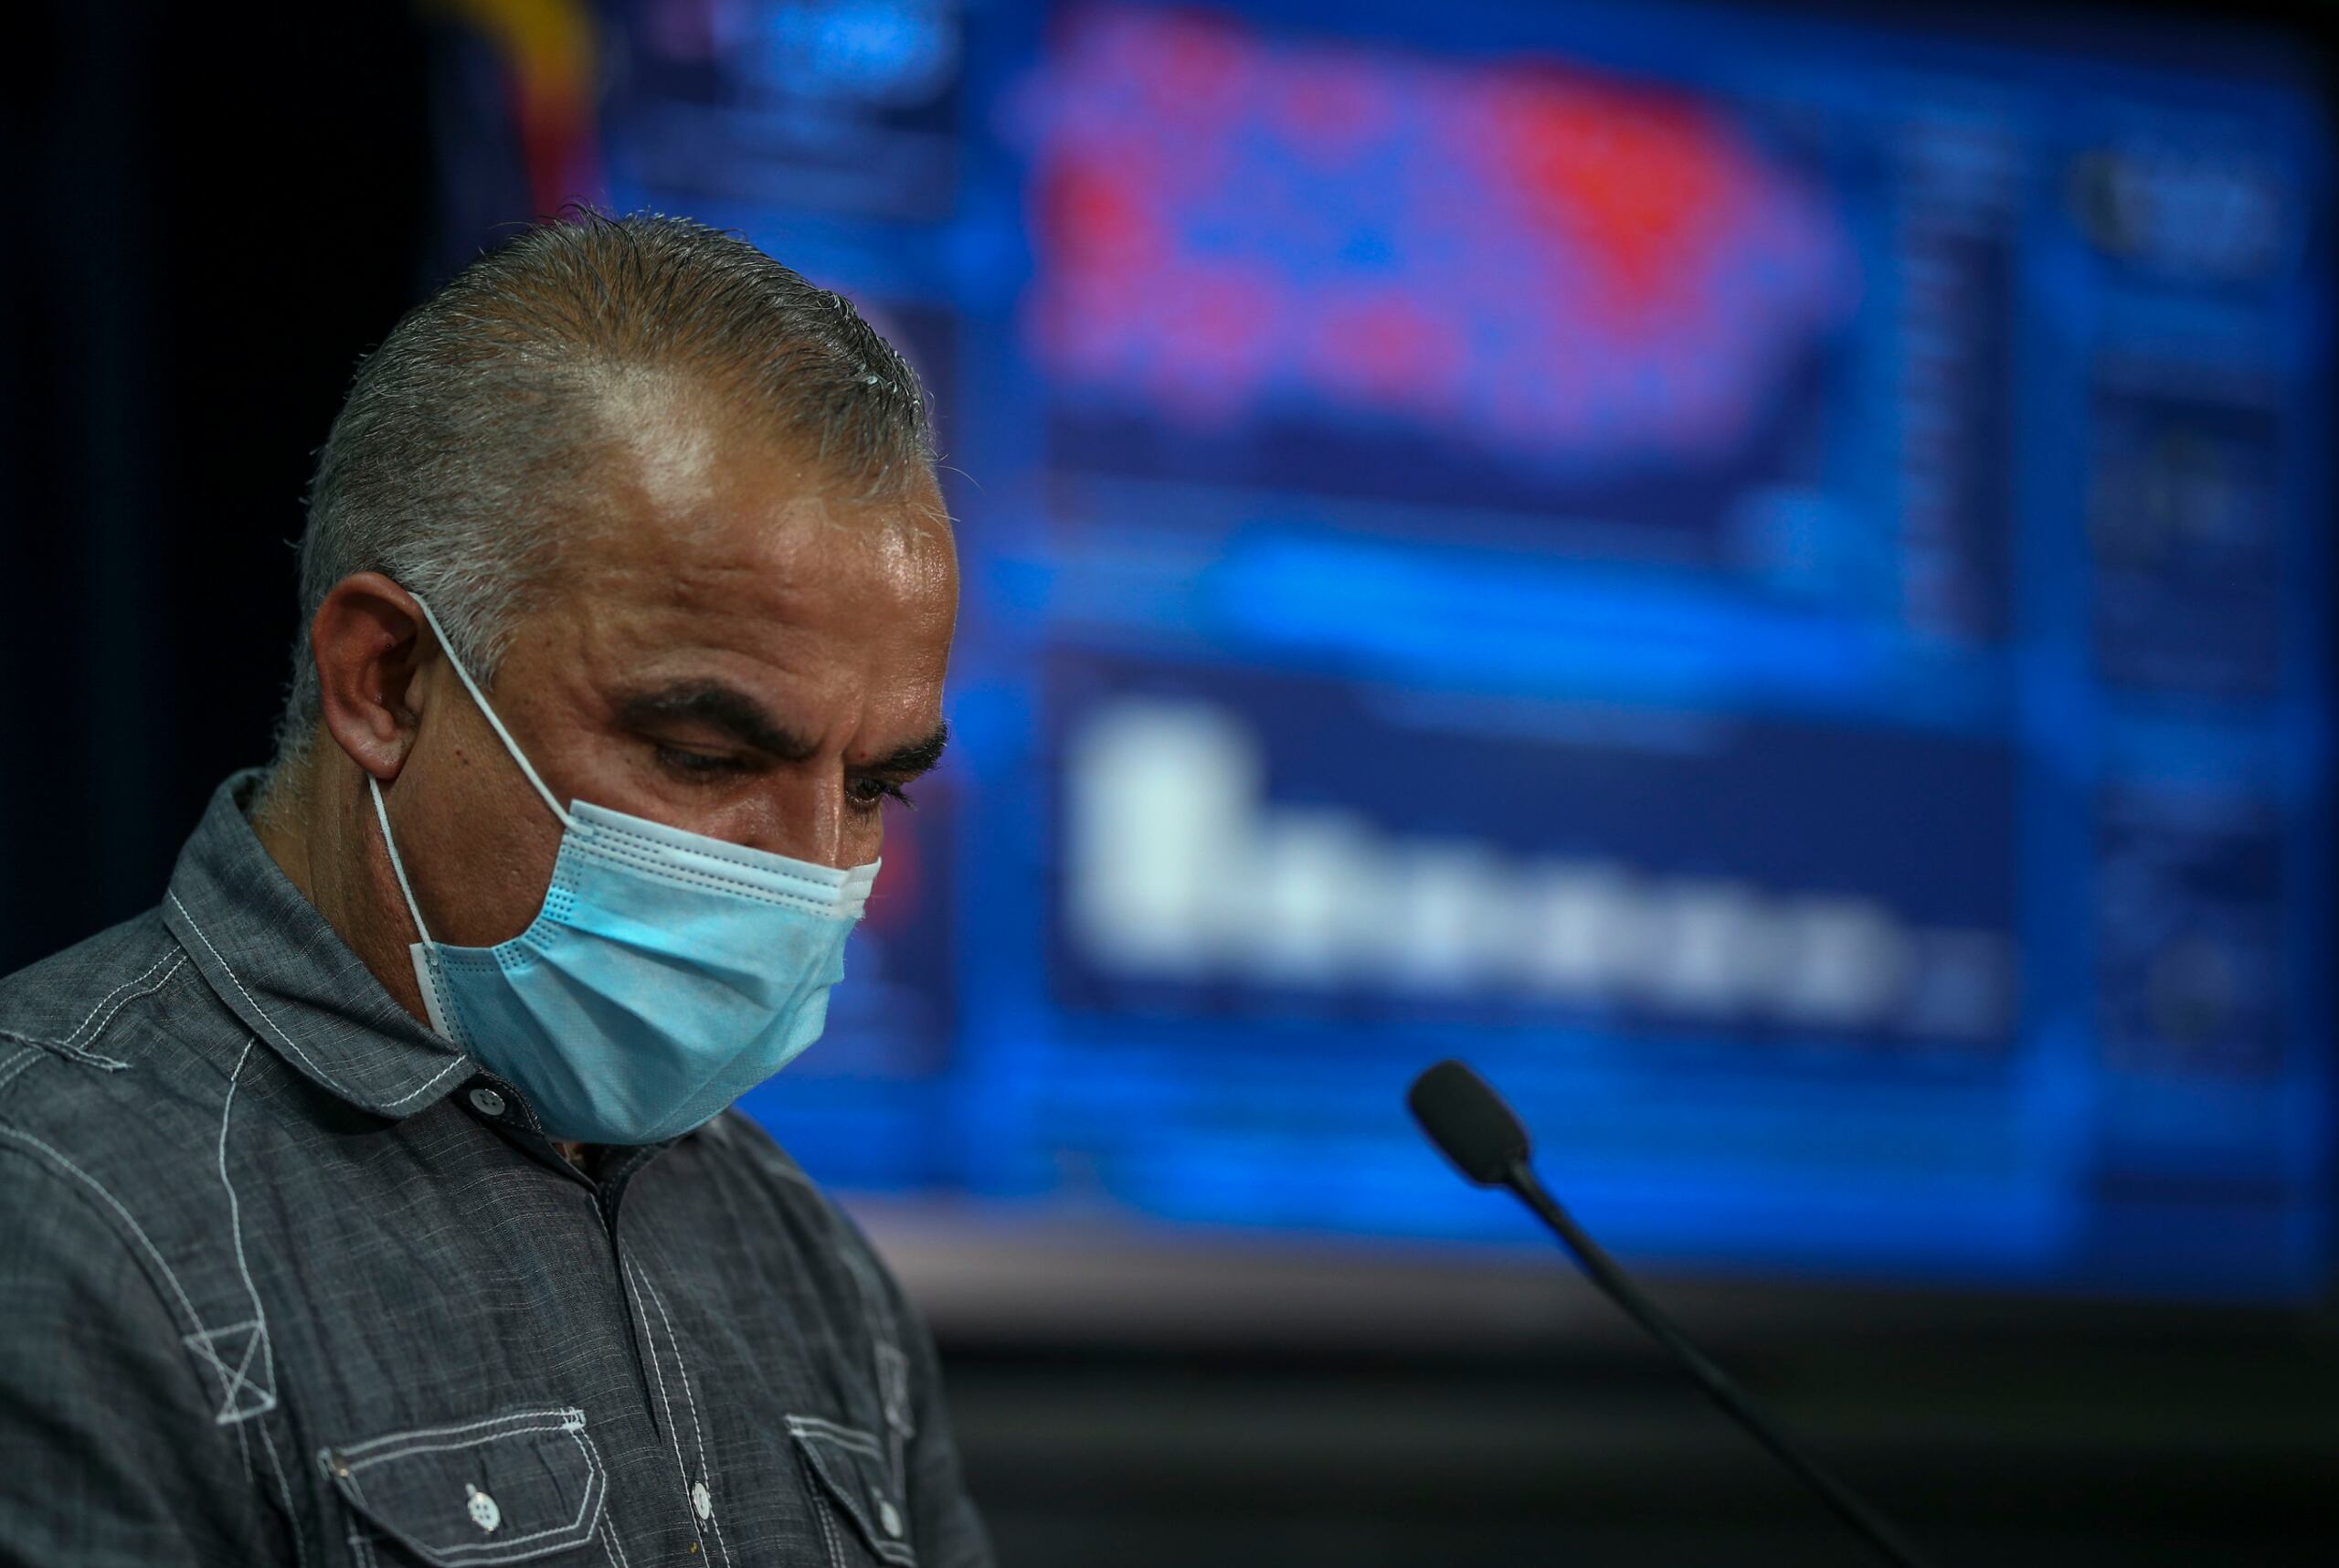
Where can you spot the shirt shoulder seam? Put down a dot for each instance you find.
(79, 1044)
(169, 1292)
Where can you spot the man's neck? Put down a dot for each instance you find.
(315, 821)
(277, 813)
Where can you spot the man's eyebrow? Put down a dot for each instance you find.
(741, 717)
(721, 708)
(909, 761)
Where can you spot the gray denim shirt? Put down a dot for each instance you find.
(287, 1279)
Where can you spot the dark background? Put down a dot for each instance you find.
(215, 211)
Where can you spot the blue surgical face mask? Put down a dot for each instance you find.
(667, 974)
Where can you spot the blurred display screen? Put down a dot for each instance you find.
(1761, 580)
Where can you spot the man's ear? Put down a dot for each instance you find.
(369, 639)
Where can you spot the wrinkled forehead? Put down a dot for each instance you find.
(699, 503)
(721, 541)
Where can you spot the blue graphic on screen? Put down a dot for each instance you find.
(1765, 583)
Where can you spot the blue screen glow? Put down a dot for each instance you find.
(1764, 581)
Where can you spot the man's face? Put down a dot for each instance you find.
(744, 653)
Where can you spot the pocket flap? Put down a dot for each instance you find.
(504, 1489)
(852, 1466)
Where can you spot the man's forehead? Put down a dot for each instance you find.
(705, 507)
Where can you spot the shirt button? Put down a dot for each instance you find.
(484, 1509)
(487, 1102)
(702, 1503)
(889, 1517)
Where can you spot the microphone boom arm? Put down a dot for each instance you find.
(1719, 1387)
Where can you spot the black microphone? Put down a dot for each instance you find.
(1472, 1127)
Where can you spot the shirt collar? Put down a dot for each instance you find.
(280, 966)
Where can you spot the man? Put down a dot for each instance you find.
(375, 1200)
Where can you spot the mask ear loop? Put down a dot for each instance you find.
(446, 646)
(381, 813)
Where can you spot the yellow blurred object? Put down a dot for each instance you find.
(552, 54)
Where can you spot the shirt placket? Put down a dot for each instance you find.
(660, 1377)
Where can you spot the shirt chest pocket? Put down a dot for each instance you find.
(856, 1496)
(516, 1488)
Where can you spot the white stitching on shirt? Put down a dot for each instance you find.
(94, 1023)
(822, 1510)
(436, 1079)
(569, 1415)
(385, 1456)
(673, 1437)
(18, 1136)
(611, 1547)
(893, 1395)
(811, 1426)
(285, 1487)
(286, 1041)
(244, 1454)
(121, 995)
(690, 1400)
(227, 1411)
(596, 1490)
(31, 1054)
(22, 1139)
(282, 1039)
(238, 1377)
(885, 1333)
(843, 1436)
(70, 1053)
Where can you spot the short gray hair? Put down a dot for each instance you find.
(467, 446)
